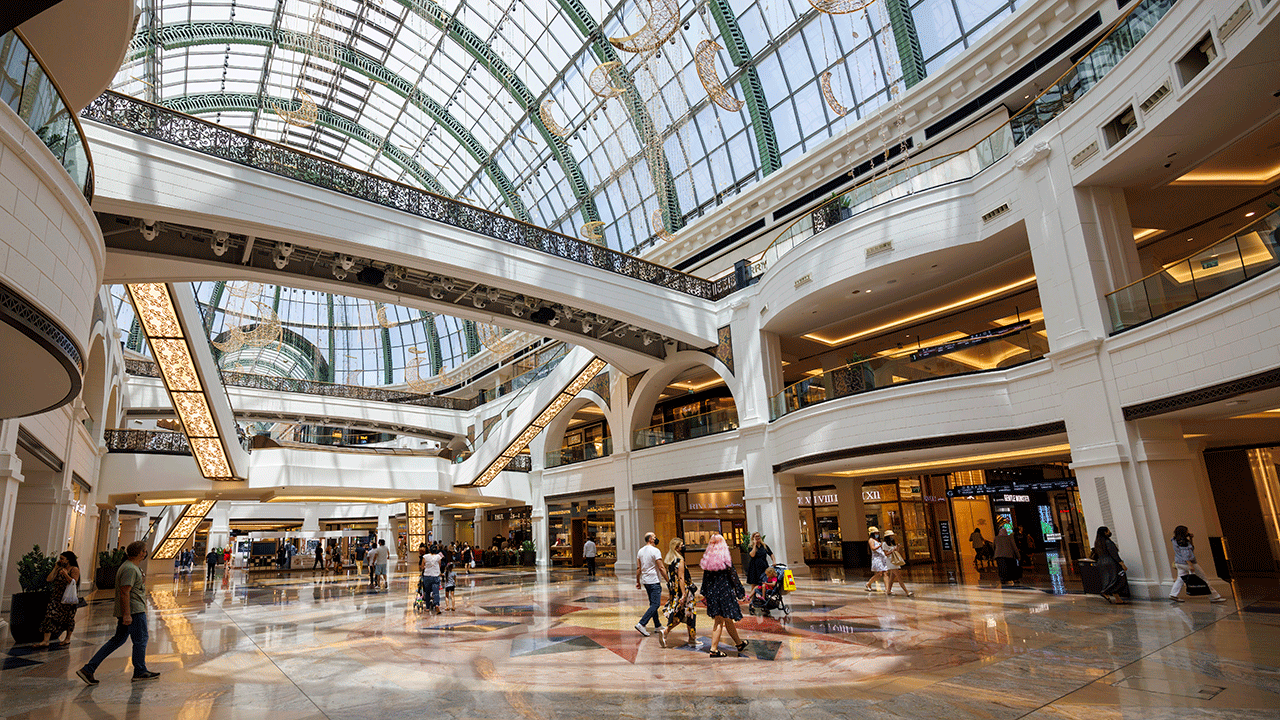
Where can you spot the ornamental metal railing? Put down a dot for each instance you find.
(996, 349)
(1219, 267)
(161, 123)
(912, 179)
(31, 92)
(160, 442)
(520, 463)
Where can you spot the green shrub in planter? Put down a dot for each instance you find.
(34, 568)
(27, 608)
(109, 561)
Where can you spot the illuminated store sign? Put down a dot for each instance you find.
(1017, 498)
(819, 499)
(1019, 488)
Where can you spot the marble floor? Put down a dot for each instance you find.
(524, 644)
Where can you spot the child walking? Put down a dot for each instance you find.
(450, 582)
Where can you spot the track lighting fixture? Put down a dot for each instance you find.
(219, 243)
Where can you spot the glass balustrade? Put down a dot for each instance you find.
(912, 179)
(1246, 254)
(696, 426)
(580, 452)
(27, 88)
(994, 349)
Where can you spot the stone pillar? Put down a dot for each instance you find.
(437, 523)
(220, 525)
(851, 512)
(10, 481)
(633, 517)
(771, 500)
(478, 530)
(387, 532)
(538, 526)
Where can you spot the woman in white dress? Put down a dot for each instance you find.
(879, 561)
(893, 555)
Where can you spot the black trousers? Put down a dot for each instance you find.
(212, 567)
(591, 567)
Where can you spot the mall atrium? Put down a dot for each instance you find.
(281, 279)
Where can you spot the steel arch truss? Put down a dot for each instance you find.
(219, 33)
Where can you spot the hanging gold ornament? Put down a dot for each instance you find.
(830, 96)
(599, 81)
(413, 374)
(304, 116)
(382, 316)
(660, 24)
(591, 230)
(553, 127)
(233, 342)
(840, 7)
(267, 330)
(660, 228)
(704, 58)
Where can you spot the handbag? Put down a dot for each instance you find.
(1196, 584)
(896, 558)
(69, 596)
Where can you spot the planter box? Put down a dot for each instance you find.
(105, 578)
(25, 615)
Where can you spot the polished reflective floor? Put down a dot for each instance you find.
(555, 645)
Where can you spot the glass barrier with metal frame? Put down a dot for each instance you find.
(580, 452)
(696, 426)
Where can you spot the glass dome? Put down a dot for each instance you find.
(274, 330)
(524, 108)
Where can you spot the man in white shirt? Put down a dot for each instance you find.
(380, 557)
(589, 554)
(431, 579)
(650, 573)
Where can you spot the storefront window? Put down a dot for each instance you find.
(820, 524)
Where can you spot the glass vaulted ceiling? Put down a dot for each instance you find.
(446, 94)
(323, 337)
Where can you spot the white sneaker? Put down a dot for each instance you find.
(1217, 599)
(641, 629)
(1176, 599)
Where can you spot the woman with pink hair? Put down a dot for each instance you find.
(723, 591)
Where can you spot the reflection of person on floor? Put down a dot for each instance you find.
(1006, 558)
(649, 574)
(682, 602)
(1111, 569)
(1184, 559)
(879, 560)
(893, 554)
(723, 591)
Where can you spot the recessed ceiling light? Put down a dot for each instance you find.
(1250, 214)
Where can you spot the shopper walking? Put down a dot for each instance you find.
(589, 555)
(879, 561)
(649, 575)
(1111, 569)
(980, 551)
(211, 563)
(450, 576)
(723, 591)
(682, 600)
(431, 579)
(893, 555)
(1184, 560)
(59, 614)
(380, 556)
(468, 557)
(319, 563)
(760, 559)
(1007, 558)
(131, 618)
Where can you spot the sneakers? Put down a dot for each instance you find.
(662, 637)
(1175, 599)
(145, 676)
(86, 676)
(1218, 599)
(641, 629)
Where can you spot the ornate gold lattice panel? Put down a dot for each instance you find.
(600, 80)
(704, 58)
(660, 25)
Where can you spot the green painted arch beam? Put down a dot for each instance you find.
(752, 89)
(498, 68)
(659, 168)
(219, 33)
(241, 102)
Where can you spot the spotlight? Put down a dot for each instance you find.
(436, 293)
(339, 272)
(494, 294)
(219, 243)
(149, 230)
(518, 310)
(553, 322)
(282, 253)
(648, 339)
(478, 302)
(543, 315)
(586, 326)
(393, 278)
(346, 261)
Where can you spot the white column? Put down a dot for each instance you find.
(479, 534)
(437, 523)
(386, 532)
(10, 482)
(771, 500)
(220, 525)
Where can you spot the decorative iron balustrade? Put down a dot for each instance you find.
(171, 126)
(160, 442)
(146, 368)
(520, 463)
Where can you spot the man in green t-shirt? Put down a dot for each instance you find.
(131, 618)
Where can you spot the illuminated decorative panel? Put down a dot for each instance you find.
(210, 457)
(193, 410)
(416, 513)
(182, 530)
(155, 310)
(174, 358)
(526, 436)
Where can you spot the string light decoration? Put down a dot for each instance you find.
(382, 316)
(544, 418)
(501, 341)
(413, 376)
(553, 127)
(591, 230)
(660, 228)
(306, 114)
(830, 96)
(704, 58)
(840, 7)
(660, 25)
(599, 80)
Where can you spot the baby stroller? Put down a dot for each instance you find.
(768, 596)
(420, 602)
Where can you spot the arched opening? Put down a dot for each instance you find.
(579, 434)
(111, 420)
(688, 399)
(95, 381)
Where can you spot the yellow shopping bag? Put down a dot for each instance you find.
(788, 581)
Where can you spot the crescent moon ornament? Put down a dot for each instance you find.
(840, 7)
(599, 81)
(591, 230)
(553, 127)
(304, 116)
(660, 228)
(704, 58)
(830, 96)
(662, 22)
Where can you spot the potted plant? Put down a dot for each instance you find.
(109, 561)
(27, 609)
(527, 553)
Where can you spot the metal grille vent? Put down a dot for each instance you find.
(1089, 151)
(993, 214)
(1155, 97)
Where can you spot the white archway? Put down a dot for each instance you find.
(651, 387)
(555, 431)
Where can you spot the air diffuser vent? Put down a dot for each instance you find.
(992, 215)
(1089, 151)
(1155, 97)
(1233, 23)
